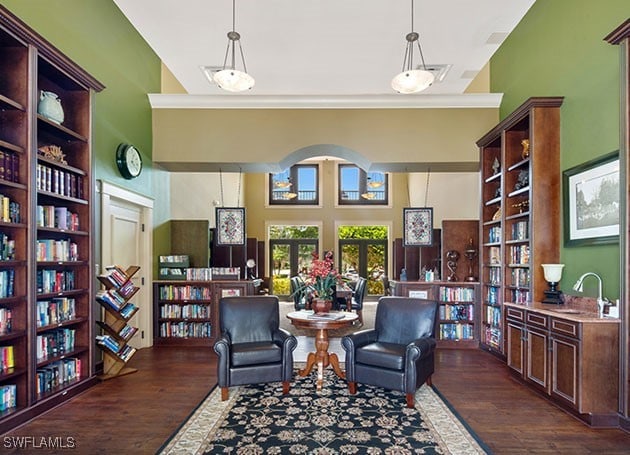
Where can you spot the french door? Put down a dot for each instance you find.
(289, 257)
(364, 258)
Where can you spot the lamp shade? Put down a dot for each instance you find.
(233, 80)
(412, 81)
(553, 272)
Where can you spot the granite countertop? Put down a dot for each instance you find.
(577, 310)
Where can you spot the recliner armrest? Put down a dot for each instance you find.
(358, 339)
(223, 345)
(419, 349)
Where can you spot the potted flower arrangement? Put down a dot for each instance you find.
(321, 282)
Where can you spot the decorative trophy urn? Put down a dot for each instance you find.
(471, 254)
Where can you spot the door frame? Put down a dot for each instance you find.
(388, 224)
(143, 299)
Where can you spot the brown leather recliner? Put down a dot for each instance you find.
(398, 354)
(252, 348)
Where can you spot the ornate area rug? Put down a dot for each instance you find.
(258, 419)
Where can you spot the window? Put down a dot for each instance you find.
(357, 187)
(298, 185)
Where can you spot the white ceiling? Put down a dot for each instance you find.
(324, 48)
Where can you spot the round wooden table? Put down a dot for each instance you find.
(305, 320)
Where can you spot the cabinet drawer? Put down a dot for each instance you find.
(536, 320)
(515, 314)
(565, 327)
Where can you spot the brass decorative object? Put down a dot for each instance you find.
(470, 253)
(452, 256)
(523, 205)
(525, 152)
(53, 152)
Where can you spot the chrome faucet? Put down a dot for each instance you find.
(579, 286)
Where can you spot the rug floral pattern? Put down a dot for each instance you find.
(258, 419)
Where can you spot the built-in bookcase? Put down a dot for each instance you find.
(520, 181)
(46, 224)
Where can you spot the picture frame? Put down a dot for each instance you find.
(418, 226)
(591, 201)
(230, 223)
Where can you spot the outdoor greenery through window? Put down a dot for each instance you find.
(357, 187)
(297, 185)
(363, 253)
(291, 253)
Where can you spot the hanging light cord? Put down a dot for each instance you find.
(240, 174)
(221, 184)
(426, 190)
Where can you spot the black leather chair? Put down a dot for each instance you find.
(299, 293)
(398, 354)
(358, 295)
(252, 348)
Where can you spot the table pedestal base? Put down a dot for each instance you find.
(322, 358)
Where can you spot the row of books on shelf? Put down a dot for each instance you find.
(114, 275)
(521, 277)
(7, 283)
(7, 358)
(493, 337)
(492, 295)
(60, 182)
(494, 234)
(493, 316)
(456, 294)
(9, 210)
(520, 295)
(457, 312)
(52, 280)
(8, 397)
(494, 255)
(185, 329)
(6, 320)
(51, 250)
(457, 332)
(127, 332)
(494, 275)
(7, 247)
(189, 311)
(55, 311)
(57, 374)
(9, 166)
(55, 343)
(122, 350)
(185, 292)
(51, 216)
(520, 230)
(519, 254)
(175, 258)
(111, 298)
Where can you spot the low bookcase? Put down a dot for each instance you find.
(116, 331)
(186, 313)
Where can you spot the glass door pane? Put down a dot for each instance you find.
(376, 264)
(280, 268)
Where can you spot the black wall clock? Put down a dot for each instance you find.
(129, 161)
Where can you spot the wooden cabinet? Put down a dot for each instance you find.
(575, 362)
(458, 309)
(520, 182)
(187, 312)
(46, 226)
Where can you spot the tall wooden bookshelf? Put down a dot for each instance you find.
(46, 284)
(520, 210)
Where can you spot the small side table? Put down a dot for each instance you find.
(304, 320)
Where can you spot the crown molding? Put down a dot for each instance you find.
(184, 101)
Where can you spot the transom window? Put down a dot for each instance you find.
(357, 187)
(298, 185)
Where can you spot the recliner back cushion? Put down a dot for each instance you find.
(401, 320)
(249, 319)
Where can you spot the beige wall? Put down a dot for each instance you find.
(205, 139)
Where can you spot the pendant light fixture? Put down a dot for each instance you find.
(412, 80)
(229, 78)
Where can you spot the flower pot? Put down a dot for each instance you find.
(320, 306)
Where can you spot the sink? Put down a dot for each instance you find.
(568, 311)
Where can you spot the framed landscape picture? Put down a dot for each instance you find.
(591, 202)
(230, 226)
(418, 226)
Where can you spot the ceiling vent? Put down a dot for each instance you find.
(439, 71)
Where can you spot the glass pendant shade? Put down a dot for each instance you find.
(233, 80)
(412, 81)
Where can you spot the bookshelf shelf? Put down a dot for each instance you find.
(508, 235)
(118, 290)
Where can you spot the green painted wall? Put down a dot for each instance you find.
(558, 50)
(100, 39)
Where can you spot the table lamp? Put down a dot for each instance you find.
(553, 273)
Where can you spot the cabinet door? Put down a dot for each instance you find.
(514, 347)
(564, 369)
(537, 358)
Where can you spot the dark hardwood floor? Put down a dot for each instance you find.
(135, 414)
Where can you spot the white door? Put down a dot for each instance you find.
(125, 241)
